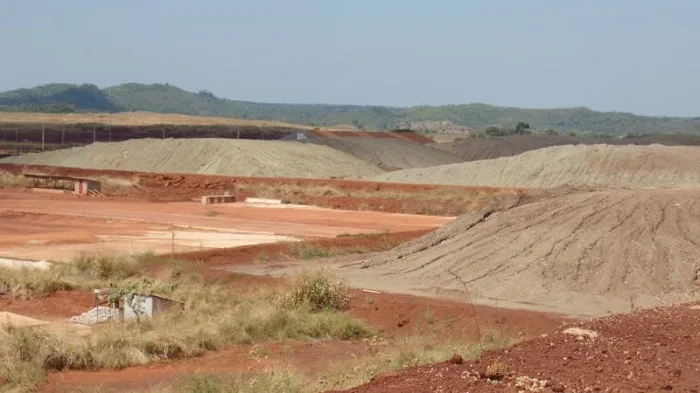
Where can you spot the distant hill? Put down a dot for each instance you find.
(170, 99)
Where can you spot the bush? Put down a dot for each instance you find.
(317, 290)
(28, 283)
(269, 382)
(106, 267)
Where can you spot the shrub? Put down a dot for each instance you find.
(317, 290)
(28, 283)
(107, 267)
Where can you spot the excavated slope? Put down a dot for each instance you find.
(473, 149)
(209, 156)
(390, 154)
(595, 165)
(586, 253)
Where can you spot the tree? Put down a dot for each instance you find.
(522, 127)
(493, 131)
(132, 294)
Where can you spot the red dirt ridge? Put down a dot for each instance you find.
(653, 350)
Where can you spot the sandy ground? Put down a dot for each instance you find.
(59, 227)
(652, 166)
(209, 156)
(586, 253)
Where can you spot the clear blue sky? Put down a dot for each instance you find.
(639, 56)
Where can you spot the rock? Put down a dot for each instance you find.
(456, 359)
(558, 388)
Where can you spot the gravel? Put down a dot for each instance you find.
(93, 316)
(209, 156)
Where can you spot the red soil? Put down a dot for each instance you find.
(359, 194)
(248, 254)
(647, 351)
(393, 315)
(58, 306)
(385, 312)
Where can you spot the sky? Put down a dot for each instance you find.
(637, 56)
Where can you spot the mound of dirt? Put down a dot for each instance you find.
(474, 149)
(389, 154)
(583, 254)
(650, 351)
(208, 156)
(596, 166)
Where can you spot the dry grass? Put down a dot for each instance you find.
(319, 291)
(9, 180)
(215, 315)
(28, 283)
(407, 352)
(445, 201)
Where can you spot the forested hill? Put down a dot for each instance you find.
(170, 99)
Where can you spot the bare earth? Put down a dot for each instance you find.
(654, 350)
(596, 165)
(59, 227)
(208, 156)
(389, 154)
(588, 253)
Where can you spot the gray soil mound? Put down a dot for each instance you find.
(390, 154)
(587, 253)
(596, 166)
(209, 156)
(474, 149)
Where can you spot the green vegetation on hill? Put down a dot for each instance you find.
(171, 99)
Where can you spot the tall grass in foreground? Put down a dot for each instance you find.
(407, 352)
(214, 315)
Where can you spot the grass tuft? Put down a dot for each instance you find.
(318, 290)
(26, 283)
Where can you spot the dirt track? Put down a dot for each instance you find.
(597, 166)
(587, 253)
(649, 351)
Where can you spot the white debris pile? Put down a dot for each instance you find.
(95, 315)
(581, 333)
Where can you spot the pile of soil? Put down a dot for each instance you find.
(648, 351)
(595, 165)
(474, 149)
(583, 254)
(208, 156)
(389, 154)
